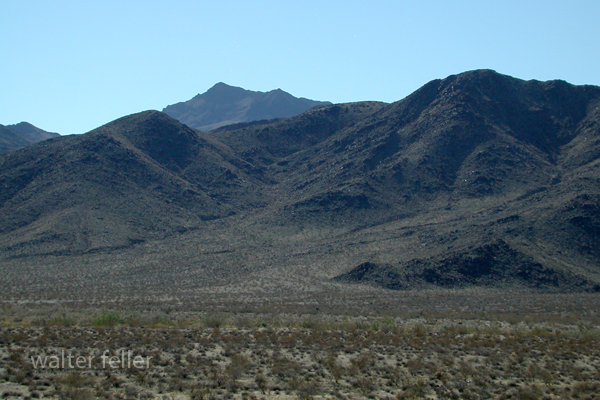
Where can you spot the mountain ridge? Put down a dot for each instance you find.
(23, 134)
(475, 180)
(223, 105)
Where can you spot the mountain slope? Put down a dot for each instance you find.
(17, 136)
(11, 140)
(139, 177)
(32, 133)
(224, 105)
(479, 146)
(475, 134)
(483, 137)
(478, 179)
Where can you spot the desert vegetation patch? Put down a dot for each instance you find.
(85, 354)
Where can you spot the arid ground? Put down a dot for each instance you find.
(404, 345)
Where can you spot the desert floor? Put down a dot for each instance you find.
(539, 347)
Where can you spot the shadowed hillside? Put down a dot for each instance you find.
(139, 177)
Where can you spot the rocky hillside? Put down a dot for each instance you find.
(475, 180)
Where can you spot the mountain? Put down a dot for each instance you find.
(23, 134)
(140, 177)
(224, 105)
(32, 133)
(11, 140)
(468, 169)
(476, 180)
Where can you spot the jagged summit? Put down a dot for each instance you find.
(31, 132)
(224, 105)
(222, 93)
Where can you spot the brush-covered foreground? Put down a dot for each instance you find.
(91, 352)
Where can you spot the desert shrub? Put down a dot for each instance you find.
(307, 389)
(108, 319)
(443, 359)
(238, 366)
(77, 394)
(76, 380)
(416, 390)
(395, 376)
(200, 392)
(59, 321)
(214, 321)
(335, 369)
(585, 390)
(364, 361)
(532, 392)
(385, 325)
(535, 371)
(284, 368)
(261, 382)
(12, 393)
(416, 365)
(365, 384)
(311, 323)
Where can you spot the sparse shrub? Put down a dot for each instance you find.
(238, 366)
(284, 368)
(77, 394)
(214, 321)
(59, 321)
(395, 376)
(416, 390)
(364, 361)
(385, 325)
(308, 389)
(200, 392)
(416, 365)
(108, 319)
(585, 390)
(76, 380)
(419, 330)
(261, 382)
(365, 384)
(472, 360)
(532, 392)
(335, 369)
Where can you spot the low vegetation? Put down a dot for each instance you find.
(252, 355)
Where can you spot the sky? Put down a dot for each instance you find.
(71, 66)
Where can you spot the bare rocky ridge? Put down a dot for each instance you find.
(23, 134)
(32, 133)
(225, 105)
(476, 180)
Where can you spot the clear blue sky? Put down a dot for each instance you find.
(71, 66)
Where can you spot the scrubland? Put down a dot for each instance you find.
(256, 354)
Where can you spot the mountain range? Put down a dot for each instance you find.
(225, 105)
(476, 180)
(23, 134)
